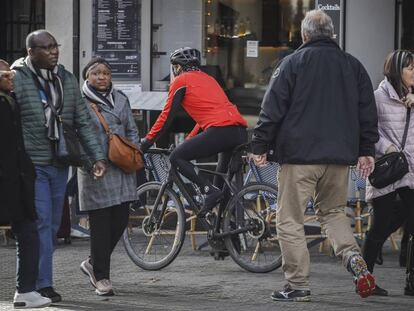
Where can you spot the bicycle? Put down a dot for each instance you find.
(155, 238)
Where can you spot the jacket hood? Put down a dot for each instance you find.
(20, 65)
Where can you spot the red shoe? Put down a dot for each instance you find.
(365, 285)
(364, 281)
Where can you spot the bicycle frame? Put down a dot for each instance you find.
(175, 178)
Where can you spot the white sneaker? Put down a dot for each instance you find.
(30, 300)
(104, 288)
(87, 269)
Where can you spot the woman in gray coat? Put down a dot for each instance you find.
(107, 199)
(393, 97)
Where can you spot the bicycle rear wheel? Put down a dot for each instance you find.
(148, 246)
(253, 208)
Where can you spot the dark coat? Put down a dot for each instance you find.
(319, 108)
(17, 173)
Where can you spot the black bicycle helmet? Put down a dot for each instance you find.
(186, 56)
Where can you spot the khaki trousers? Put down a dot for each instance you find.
(327, 184)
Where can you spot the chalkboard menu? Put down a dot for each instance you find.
(117, 36)
(334, 8)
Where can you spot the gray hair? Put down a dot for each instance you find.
(317, 24)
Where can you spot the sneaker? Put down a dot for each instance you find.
(289, 294)
(364, 281)
(211, 199)
(30, 300)
(378, 291)
(104, 288)
(87, 269)
(49, 292)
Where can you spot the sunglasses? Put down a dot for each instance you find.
(7, 74)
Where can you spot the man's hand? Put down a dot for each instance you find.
(365, 166)
(260, 159)
(409, 100)
(99, 169)
(145, 144)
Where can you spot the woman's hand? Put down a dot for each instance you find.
(99, 169)
(409, 100)
(390, 149)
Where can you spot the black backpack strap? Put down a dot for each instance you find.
(407, 124)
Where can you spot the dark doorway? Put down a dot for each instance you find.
(407, 25)
(17, 19)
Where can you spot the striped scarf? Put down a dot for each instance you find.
(51, 93)
(103, 98)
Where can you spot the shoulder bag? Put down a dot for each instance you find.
(121, 151)
(393, 166)
(67, 148)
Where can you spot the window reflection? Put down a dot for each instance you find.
(245, 39)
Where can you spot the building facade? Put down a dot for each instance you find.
(241, 40)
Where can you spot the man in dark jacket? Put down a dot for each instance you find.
(319, 111)
(46, 93)
(17, 176)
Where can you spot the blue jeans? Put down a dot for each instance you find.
(50, 187)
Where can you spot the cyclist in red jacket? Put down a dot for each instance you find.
(223, 128)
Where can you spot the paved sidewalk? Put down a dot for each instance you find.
(194, 281)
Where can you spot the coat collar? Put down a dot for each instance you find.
(388, 89)
(323, 41)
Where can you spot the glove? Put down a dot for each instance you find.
(145, 144)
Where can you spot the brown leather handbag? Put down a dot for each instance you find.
(121, 151)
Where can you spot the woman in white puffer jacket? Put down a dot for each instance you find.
(393, 98)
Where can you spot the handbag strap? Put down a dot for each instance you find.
(101, 119)
(407, 124)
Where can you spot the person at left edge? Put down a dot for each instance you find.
(39, 83)
(17, 177)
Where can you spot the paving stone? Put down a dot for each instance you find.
(195, 281)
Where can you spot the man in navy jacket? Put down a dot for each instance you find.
(319, 111)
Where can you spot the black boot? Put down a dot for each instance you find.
(409, 284)
(370, 251)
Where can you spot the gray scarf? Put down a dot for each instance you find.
(51, 92)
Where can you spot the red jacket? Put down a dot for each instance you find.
(203, 99)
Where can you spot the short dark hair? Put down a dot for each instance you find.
(31, 37)
(393, 68)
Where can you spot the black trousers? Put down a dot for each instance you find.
(214, 140)
(27, 242)
(385, 220)
(106, 228)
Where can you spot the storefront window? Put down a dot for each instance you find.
(17, 19)
(245, 39)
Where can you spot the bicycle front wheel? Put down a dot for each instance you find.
(252, 211)
(151, 246)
